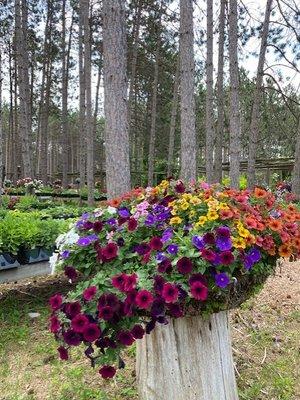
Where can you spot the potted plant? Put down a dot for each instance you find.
(165, 254)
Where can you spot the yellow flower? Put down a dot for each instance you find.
(195, 200)
(223, 206)
(175, 220)
(244, 232)
(174, 210)
(201, 220)
(184, 206)
(192, 213)
(186, 196)
(141, 197)
(239, 243)
(212, 215)
(164, 184)
(213, 204)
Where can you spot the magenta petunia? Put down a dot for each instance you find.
(156, 243)
(63, 353)
(79, 322)
(118, 281)
(130, 282)
(126, 338)
(107, 372)
(89, 293)
(91, 332)
(199, 291)
(98, 226)
(132, 224)
(208, 255)
(165, 266)
(106, 313)
(72, 309)
(144, 299)
(138, 331)
(184, 265)
(170, 293)
(71, 273)
(226, 258)
(110, 251)
(72, 338)
(54, 324)
(56, 302)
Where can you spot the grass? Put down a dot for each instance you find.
(266, 341)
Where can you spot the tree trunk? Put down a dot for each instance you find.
(23, 90)
(220, 95)
(95, 120)
(151, 155)
(1, 129)
(254, 125)
(88, 103)
(188, 359)
(115, 98)
(296, 170)
(187, 97)
(173, 122)
(235, 123)
(82, 130)
(209, 148)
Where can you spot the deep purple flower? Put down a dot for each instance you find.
(107, 372)
(223, 243)
(198, 242)
(175, 310)
(110, 251)
(254, 254)
(126, 338)
(172, 249)
(158, 208)
(209, 238)
(142, 249)
(158, 307)
(124, 212)
(197, 278)
(72, 338)
(138, 332)
(150, 220)
(158, 283)
(184, 265)
(165, 266)
(111, 221)
(163, 216)
(63, 353)
(91, 332)
(71, 273)
(208, 255)
(106, 313)
(160, 256)
(226, 258)
(222, 280)
(180, 188)
(150, 326)
(120, 242)
(84, 241)
(156, 243)
(223, 231)
(167, 235)
(98, 226)
(132, 224)
(65, 254)
(87, 225)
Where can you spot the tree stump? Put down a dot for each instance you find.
(188, 359)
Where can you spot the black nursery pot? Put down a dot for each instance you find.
(34, 255)
(8, 261)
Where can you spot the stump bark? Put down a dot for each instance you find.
(188, 359)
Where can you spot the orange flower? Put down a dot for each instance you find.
(114, 202)
(250, 222)
(289, 217)
(260, 226)
(296, 243)
(225, 214)
(275, 225)
(291, 208)
(259, 193)
(284, 251)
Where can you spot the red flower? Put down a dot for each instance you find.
(184, 265)
(199, 291)
(91, 332)
(98, 225)
(132, 224)
(144, 299)
(110, 251)
(63, 353)
(107, 372)
(170, 293)
(55, 301)
(79, 322)
(89, 293)
(156, 243)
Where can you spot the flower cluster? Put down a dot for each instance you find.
(30, 183)
(161, 252)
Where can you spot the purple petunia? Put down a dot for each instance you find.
(65, 254)
(172, 249)
(167, 235)
(224, 243)
(150, 220)
(198, 242)
(222, 280)
(252, 257)
(124, 212)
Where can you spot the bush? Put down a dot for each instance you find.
(163, 252)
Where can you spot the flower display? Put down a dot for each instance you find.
(165, 252)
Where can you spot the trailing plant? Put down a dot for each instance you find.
(165, 252)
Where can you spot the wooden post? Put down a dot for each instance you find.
(188, 359)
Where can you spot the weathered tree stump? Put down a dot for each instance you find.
(188, 359)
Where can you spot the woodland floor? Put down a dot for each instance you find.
(266, 346)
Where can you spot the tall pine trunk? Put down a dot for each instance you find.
(254, 125)
(82, 104)
(296, 170)
(115, 98)
(88, 103)
(234, 117)
(187, 96)
(1, 129)
(220, 95)
(173, 122)
(209, 148)
(22, 72)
